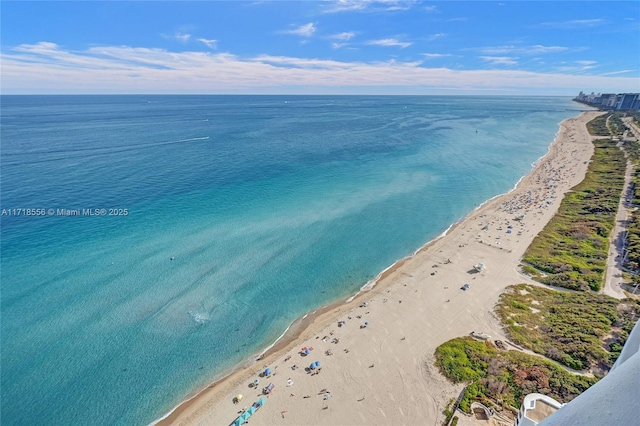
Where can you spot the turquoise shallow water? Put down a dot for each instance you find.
(243, 213)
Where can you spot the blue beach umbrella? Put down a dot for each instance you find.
(366, 323)
(267, 371)
(313, 366)
(307, 351)
(317, 363)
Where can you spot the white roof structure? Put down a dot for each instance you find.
(535, 408)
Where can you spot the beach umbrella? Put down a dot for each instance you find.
(317, 363)
(366, 323)
(312, 366)
(239, 397)
(267, 371)
(307, 351)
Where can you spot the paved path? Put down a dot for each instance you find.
(632, 127)
(618, 238)
(617, 242)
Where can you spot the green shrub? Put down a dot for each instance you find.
(505, 377)
(571, 249)
(569, 328)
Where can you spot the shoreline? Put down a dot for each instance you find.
(313, 323)
(293, 332)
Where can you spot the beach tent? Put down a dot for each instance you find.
(479, 267)
(244, 417)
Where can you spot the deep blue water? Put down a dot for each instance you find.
(243, 213)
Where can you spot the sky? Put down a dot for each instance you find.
(320, 47)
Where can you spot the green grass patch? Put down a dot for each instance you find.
(580, 330)
(598, 126)
(504, 378)
(571, 250)
(616, 125)
(633, 240)
(531, 271)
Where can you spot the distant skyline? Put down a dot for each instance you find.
(328, 47)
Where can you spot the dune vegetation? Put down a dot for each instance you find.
(580, 330)
(502, 378)
(571, 251)
(577, 328)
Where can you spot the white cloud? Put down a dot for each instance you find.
(389, 42)
(435, 55)
(346, 36)
(48, 68)
(575, 23)
(211, 44)
(538, 49)
(435, 36)
(617, 72)
(461, 19)
(522, 50)
(499, 60)
(300, 62)
(305, 30)
(578, 67)
(368, 5)
(43, 48)
(178, 36)
(347, 6)
(496, 50)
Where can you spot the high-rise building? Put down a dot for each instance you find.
(615, 101)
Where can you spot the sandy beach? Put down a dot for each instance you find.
(376, 350)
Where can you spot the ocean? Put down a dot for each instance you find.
(149, 244)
